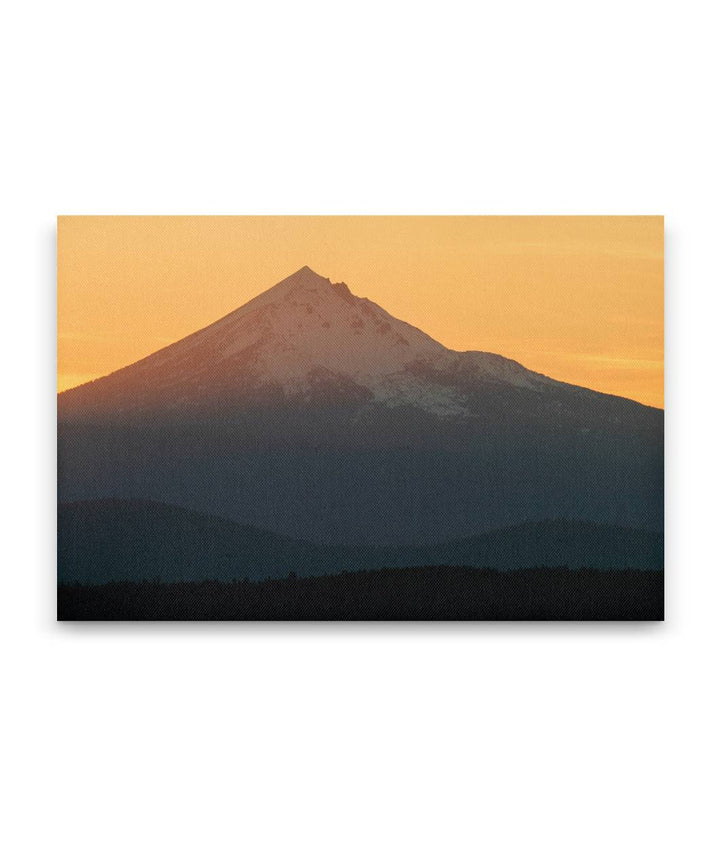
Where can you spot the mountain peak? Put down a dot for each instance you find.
(306, 284)
(305, 276)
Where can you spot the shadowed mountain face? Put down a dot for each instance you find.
(314, 413)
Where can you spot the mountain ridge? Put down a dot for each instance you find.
(111, 540)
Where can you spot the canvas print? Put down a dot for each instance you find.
(360, 418)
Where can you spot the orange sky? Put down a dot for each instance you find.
(576, 298)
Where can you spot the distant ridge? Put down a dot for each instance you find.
(115, 540)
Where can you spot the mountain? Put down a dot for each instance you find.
(549, 543)
(117, 540)
(100, 541)
(313, 412)
(303, 338)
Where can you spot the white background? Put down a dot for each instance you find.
(359, 739)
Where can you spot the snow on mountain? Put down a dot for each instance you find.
(306, 322)
(300, 334)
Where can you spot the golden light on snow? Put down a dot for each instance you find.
(576, 298)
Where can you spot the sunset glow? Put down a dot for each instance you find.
(576, 298)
